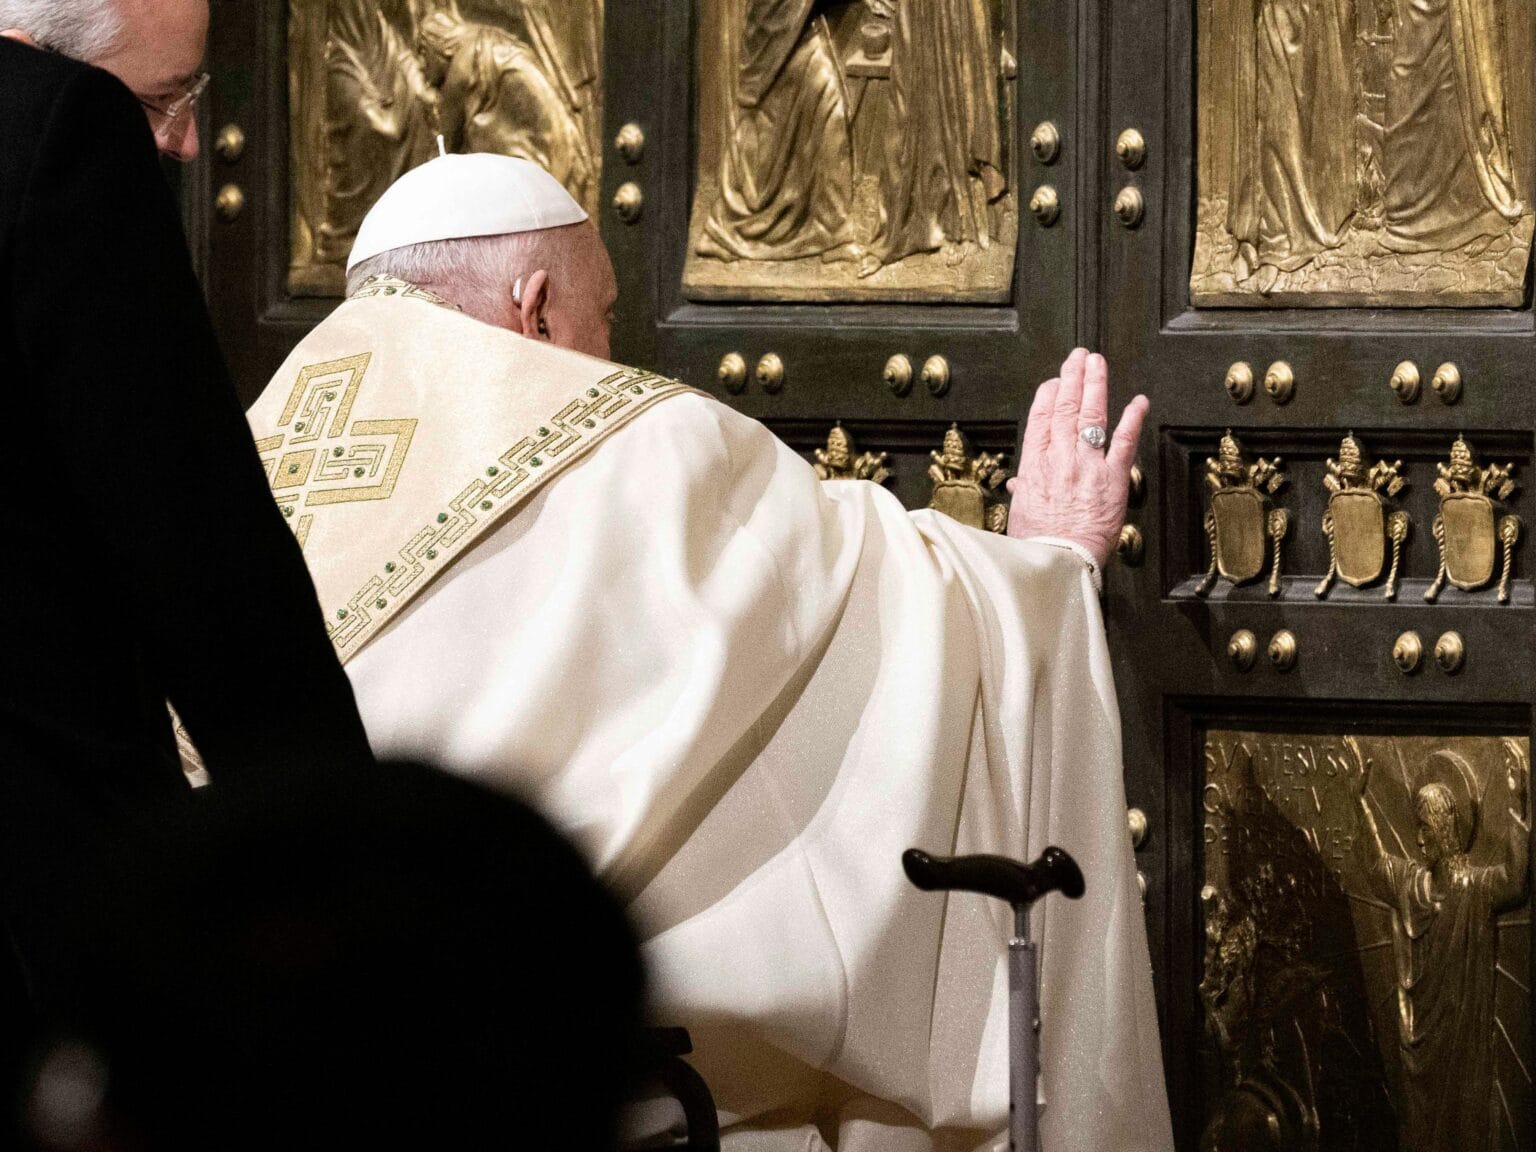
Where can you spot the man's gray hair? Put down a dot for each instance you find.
(477, 273)
(87, 30)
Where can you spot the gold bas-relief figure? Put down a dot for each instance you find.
(1370, 153)
(1367, 929)
(373, 82)
(855, 150)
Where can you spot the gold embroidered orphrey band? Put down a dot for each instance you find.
(317, 455)
(481, 502)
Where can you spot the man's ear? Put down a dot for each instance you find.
(17, 35)
(534, 302)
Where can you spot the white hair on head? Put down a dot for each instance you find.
(476, 273)
(85, 30)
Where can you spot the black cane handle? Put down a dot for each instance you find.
(1019, 884)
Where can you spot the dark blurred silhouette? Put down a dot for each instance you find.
(398, 959)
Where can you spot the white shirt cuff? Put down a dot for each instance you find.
(1079, 551)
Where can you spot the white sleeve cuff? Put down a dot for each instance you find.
(1079, 551)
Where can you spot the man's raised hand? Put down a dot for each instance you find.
(1065, 487)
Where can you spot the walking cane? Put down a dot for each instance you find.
(1020, 885)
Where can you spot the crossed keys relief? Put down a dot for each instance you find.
(320, 459)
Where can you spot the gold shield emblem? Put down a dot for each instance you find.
(1477, 541)
(1239, 520)
(1469, 540)
(1359, 523)
(1240, 539)
(1360, 529)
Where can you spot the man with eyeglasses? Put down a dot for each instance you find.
(145, 560)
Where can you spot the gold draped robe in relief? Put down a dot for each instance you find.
(1293, 147)
(786, 169)
(1445, 951)
(1449, 175)
(945, 166)
(744, 692)
(377, 123)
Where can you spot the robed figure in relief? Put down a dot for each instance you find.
(1449, 174)
(1445, 948)
(509, 94)
(374, 81)
(1293, 139)
(1362, 152)
(786, 166)
(377, 119)
(941, 183)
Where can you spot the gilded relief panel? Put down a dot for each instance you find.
(855, 150)
(1374, 153)
(373, 83)
(1366, 977)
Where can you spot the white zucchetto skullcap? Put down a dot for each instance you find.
(457, 197)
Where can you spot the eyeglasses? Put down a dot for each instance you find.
(184, 103)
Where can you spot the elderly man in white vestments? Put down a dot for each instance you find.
(741, 690)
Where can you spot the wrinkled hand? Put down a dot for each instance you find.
(1065, 488)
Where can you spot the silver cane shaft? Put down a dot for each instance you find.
(1023, 1039)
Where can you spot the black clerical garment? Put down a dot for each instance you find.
(144, 558)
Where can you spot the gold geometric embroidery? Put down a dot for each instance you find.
(338, 465)
(496, 489)
(385, 285)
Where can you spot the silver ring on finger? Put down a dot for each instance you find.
(1094, 436)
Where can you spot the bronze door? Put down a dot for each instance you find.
(1314, 260)
(899, 217)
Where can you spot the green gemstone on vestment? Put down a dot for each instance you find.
(337, 451)
(379, 603)
(357, 471)
(590, 423)
(330, 395)
(485, 505)
(535, 461)
(493, 471)
(543, 431)
(390, 567)
(293, 469)
(431, 553)
(287, 511)
(341, 613)
(298, 427)
(442, 517)
(592, 392)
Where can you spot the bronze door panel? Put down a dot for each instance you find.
(1363, 155)
(374, 82)
(862, 150)
(1367, 923)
